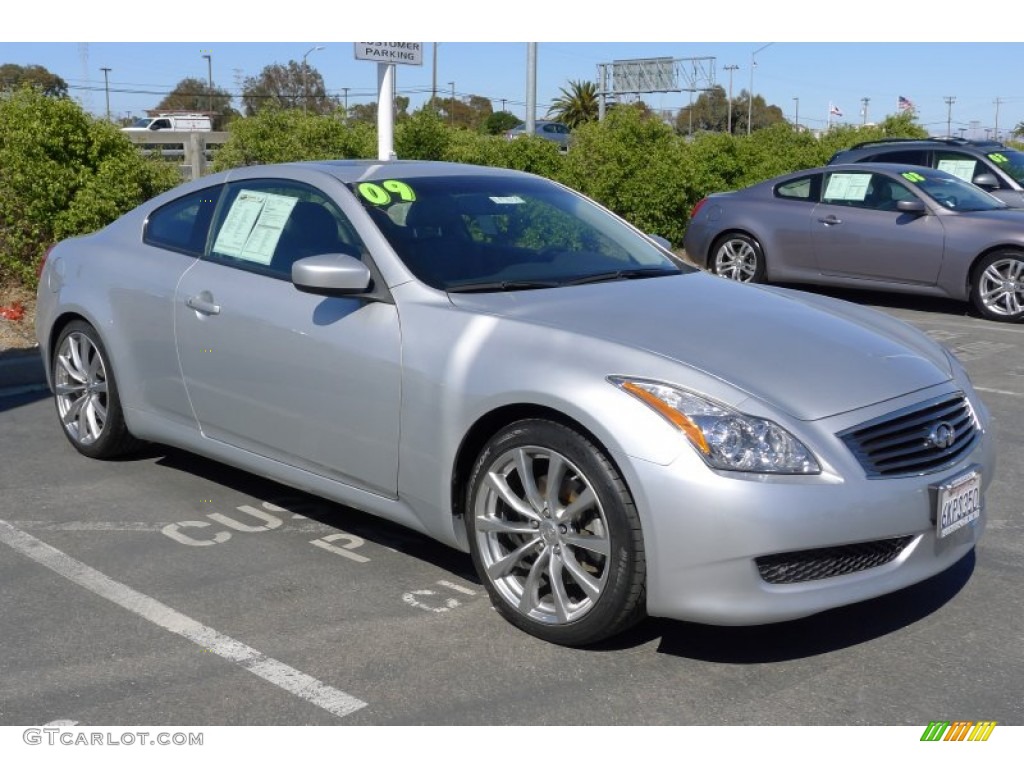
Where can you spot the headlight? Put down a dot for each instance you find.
(725, 438)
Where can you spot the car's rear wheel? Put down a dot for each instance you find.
(998, 287)
(738, 257)
(86, 394)
(554, 534)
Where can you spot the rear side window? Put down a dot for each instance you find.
(183, 224)
(901, 156)
(805, 188)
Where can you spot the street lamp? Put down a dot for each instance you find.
(305, 90)
(796, 119)
(209, 82)
(750, 94)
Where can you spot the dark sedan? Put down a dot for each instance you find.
(879, 226)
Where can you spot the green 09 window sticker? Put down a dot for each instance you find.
(381, 194)
(912, 176)
(998, 157)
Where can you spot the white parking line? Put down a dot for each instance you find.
(283, 676)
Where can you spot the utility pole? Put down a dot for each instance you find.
(950, 100)
(531, 88)
(451, 105)
(864, 110)
(433, 85)
(997, 103)
(106, 88)
(345, 91)
(503, 104)
(732, 68)
(796, 119)
(209, 82)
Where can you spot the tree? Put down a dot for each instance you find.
(710, 112)
(292, 86)
(195, 95)
(14, 76)
(761, 114)
(471, 113)
(367, 112)
(577, 104)
(499, 122)
(1018, 132)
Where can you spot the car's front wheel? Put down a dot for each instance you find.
(738, 257)
(998, 287)
(86, 394)
(554, 534)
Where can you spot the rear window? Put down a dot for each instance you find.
(183, 224)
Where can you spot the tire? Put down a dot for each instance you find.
(738, 257)
(568, 567)
(997, 290)
(86, 396)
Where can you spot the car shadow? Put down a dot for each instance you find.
(17, 398)
(812, 636)
(350, 520)
(815, 635)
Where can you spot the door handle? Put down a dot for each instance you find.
(829, 220)
(200, 304)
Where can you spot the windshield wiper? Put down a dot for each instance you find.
(622, 274)
(502, 285)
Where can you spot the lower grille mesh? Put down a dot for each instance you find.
(811, 564)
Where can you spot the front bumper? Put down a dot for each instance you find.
(704, 530)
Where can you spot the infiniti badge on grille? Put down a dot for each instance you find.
(941, 436)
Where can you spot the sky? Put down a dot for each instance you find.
(481, 54)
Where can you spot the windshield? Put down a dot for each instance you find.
(953, 193)
(141, 122)
(1010, 162)
(484, 233)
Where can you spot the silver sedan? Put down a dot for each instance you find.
(497, 362)
(878, 226)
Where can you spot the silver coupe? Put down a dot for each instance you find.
(497, 362)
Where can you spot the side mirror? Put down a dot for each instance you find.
(331, 274)
(910, 206)
(986, 181)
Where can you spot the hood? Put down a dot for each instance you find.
(809, 355)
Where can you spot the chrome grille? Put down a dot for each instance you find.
(812, 564)
(915, 440)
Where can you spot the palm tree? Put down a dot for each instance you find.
(576, 105)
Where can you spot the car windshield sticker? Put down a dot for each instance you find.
(847, 186)
(378, 193)
(962, 169)
(998, 157)
(254, 225)
(514, 200)
(912, 176)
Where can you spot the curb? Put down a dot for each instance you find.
(20, 369)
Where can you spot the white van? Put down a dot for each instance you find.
(164, 122)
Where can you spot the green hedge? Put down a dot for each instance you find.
(63, 173)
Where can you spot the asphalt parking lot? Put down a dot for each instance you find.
(170, 589)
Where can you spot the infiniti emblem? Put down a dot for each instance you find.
(942, 435)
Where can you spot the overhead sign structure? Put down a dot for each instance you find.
(391, 53)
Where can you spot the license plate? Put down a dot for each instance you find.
(958, 503)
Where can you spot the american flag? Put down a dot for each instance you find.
(904, 104)
(834, 110)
